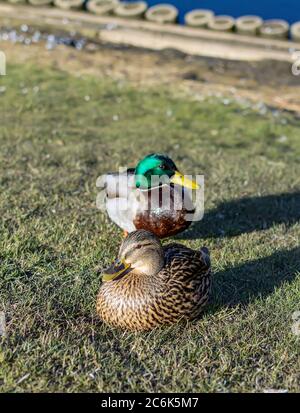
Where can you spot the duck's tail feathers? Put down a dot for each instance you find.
(205, 256)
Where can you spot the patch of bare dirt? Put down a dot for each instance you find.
(268, 82)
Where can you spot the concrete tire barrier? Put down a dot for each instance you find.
(69, 4)
(295, 32)
(222, 23)
(102, 7)
(131, 10)
(162, 13)
(248, 25)
(274, 29)
(198, 18)
(40, 3)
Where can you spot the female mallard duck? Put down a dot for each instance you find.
(150, 285)
(154, 196)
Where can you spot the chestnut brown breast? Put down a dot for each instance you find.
(163, 211)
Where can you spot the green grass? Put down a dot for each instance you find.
(54, 144)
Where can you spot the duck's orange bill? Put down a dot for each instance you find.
(117, 269)
(179, 179)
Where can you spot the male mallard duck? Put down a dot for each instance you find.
(142, 198)
(150, 285)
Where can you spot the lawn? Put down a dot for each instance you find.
(58, 133)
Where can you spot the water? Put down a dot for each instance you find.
(267, 9)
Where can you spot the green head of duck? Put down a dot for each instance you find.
(156, 168)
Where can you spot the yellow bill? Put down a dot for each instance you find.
(117, 269)
(179, 179)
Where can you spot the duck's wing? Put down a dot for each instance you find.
(117, 184)
(120, 198)
(188, 279)
(183, 263)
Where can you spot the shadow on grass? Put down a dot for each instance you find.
(257, 278)
(246, 215)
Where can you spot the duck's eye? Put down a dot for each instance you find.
(162, 166)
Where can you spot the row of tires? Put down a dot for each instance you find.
(166, 13)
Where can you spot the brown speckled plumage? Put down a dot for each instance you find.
(178, 291)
